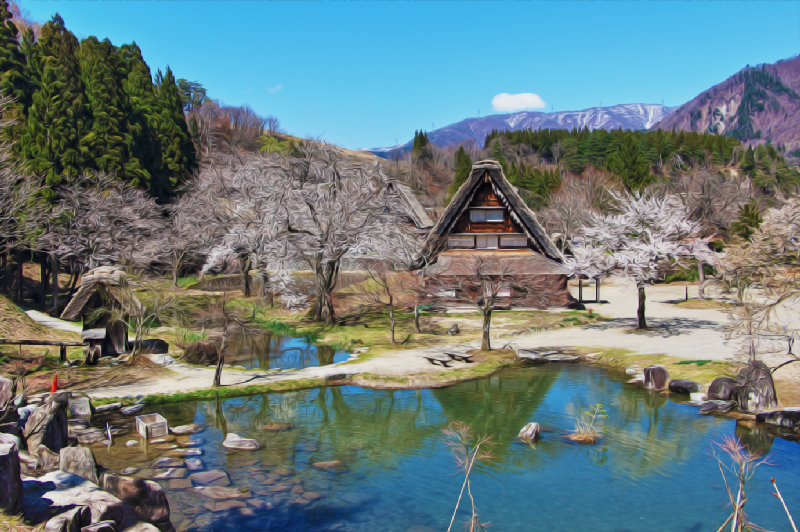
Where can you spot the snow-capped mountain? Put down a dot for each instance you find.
(627, 116)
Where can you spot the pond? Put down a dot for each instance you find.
(652, 470)
(272, 351)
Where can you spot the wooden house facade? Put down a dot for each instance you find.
(488, 223)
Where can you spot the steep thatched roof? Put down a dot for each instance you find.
(415, 209)
(105, 279)
(520, 212)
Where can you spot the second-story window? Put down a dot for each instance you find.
(486, 215)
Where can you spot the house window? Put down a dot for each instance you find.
(504, 292)
(446, 293)
(486, 242)
(513, 241)
(486, 216)
(461, 242)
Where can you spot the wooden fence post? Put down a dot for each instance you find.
(19, 276)
(62, 354)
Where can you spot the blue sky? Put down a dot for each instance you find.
(366, 72)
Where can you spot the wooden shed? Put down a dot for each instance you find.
(93, 305)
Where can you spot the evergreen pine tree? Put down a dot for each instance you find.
(463, 169)
(137, 84)
(13, 83)
(57, 119)
(630, 164)
(177, 149)
(108, 141)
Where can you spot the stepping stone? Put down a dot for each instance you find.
(194, 464)
(284, 471)
(277, 426)
(107, 408)
(169, 462)
(186, 429)
(130, 410)
(184, 452)
(131, 443)
(163, 474)
(214, 477)
(179, 483)
(185, 441)
(234, 441)
(313, 495)
(259, 503)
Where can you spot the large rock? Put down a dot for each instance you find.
(234, 441)
(529, 432)
(788, 417)
(717, 406)
(202, 353)
(147, 498)
(454, 330)
(154, 346)
(70, 521)
(80, 406)
(47, 424)
(101, 526)
(684, 387)
(79, 461)
(64, 490)
(10, 480)
(722, 389)
(756, 390)
(48, 460)
(531, 357)
(6, 391)
(656, 377)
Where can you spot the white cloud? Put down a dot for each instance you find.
(517, 102)
(274, 89)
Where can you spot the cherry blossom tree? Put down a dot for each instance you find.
(762, 274)
(646, 236)
(589, 261)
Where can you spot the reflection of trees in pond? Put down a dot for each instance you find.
(257, 348)
(756, 439)
(649, 435)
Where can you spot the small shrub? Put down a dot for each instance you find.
(186, 337)
(585, 430)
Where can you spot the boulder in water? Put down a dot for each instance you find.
(656, 377)
(684, 387)
(234, 441)
(529, 432)
(722, 389)
(756, 390)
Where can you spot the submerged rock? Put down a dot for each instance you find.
(186, 429)
(218, 493)
(331, 465)
(277, 426)
(194, 464)
(214, 477)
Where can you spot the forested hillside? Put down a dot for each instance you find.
(758, 105)
(91, 106)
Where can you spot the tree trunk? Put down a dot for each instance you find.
(176, 270)
(416, 314)
(62, 354)
(223, 347)
(486, 344)
(266, 289)
(640, 313)
(597, 290)
(4, 271)
(701, 277)
(392, 321)
(246, 278)
(43, 281)
(55, 286)
(19, 276)
(326, 275)
(580, 290)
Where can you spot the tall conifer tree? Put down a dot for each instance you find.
(463, 169)
(108, 141)
(13, 83)
(57, 119)
(177, 149)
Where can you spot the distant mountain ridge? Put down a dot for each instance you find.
(756, 105)
(626, 116)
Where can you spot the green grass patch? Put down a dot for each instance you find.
(698, 362)
(186, 282)
(186, 337)
(208, 394)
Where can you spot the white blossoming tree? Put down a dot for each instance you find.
(646, 236)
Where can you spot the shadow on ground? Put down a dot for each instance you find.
(663, 328)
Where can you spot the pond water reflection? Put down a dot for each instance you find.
(271, 351)
(650, 471)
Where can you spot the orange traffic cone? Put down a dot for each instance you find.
(54, 386)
